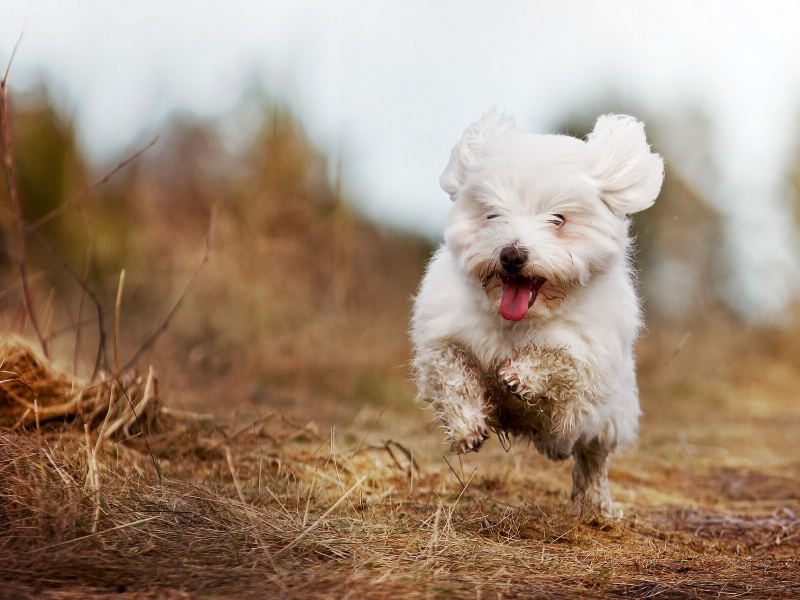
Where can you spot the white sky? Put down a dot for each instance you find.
(391, 85)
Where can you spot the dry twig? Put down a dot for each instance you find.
(77, 198)
(163, 327)
(11, 173)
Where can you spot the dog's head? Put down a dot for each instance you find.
(534, 216)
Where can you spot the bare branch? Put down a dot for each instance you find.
(68, 329)
(89, 188)
(14, 192)
(27, 228)
(100, 359)
(153, 338)
(101, 345)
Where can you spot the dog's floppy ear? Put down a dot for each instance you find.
(628, 174)
(464, 153)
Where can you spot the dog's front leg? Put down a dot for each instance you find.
(452, 382)
(590, 493)
(555, 387)
(525, 375)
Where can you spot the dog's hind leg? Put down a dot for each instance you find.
(452, 382)
(590, 493)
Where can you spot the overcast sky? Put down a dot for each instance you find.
(391, 85)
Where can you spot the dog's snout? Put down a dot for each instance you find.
(512, 259)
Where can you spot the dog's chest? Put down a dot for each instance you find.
(491, 342)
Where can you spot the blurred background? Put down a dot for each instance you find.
(318, 130)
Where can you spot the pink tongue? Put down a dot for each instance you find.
(516, 294)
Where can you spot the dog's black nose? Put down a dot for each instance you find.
(512, 259)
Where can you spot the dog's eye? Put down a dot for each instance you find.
(557, 220)
(490, 217)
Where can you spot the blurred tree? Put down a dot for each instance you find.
(49, 162)
(50, 165)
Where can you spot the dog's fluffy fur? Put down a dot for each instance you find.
(562, 373)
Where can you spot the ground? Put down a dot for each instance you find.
(290, 504)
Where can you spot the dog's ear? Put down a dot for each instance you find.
(465, 152)
(628, 174)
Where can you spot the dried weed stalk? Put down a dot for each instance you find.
(32, 392)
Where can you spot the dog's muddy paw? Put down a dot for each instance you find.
(509, 377)
(472, 441)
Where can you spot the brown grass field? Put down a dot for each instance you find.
(284, 506)
(276, 451)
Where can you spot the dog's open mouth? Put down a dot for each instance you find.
(519, 294)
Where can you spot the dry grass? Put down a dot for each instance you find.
(33, 393)
(277, 508)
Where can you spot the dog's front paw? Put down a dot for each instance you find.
(470, 440)
(509, 377)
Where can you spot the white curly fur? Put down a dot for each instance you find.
(453, 384)
(564, 375)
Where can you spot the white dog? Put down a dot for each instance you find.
(527, 314)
